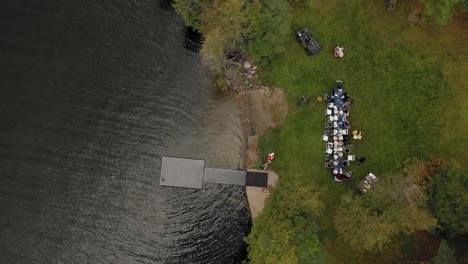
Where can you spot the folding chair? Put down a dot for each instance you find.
(324, 137)
(351, 157)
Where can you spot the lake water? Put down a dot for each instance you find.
(93, 94)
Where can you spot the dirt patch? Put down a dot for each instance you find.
(261, 109)
(415, 13)
(267, 109)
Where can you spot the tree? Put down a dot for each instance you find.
(224, 25)
(269, 28)
(259, 27)
(285, 232)
(448, 200)
(395, 205)
(445, 255)
(191, 10)
(439, 11)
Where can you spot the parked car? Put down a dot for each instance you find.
(304, 37)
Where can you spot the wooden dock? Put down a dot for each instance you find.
(191, 173)
(182, 172)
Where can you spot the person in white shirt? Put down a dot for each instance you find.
(339, 52)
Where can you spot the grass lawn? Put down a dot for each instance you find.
(409, 84)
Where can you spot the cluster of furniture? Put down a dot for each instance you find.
(337, 133)
(367, 183)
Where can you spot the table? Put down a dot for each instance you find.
(339, 167)
(337, 124)
(338, 97)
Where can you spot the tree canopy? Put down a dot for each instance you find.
(286, 232)
(395, 205)
(270, 23)
(440, 11)
(448, 200)
(261, 27)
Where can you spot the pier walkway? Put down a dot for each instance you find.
(191, 173)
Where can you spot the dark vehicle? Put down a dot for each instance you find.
(305, 38)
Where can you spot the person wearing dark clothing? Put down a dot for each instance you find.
(345, 97)
(345, 138)
(303, 100)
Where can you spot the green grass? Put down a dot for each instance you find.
(409, 87)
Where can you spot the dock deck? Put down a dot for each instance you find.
(191, 173)
(182, 172)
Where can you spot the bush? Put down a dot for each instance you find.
(448, 201)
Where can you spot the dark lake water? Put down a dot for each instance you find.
(93, 93)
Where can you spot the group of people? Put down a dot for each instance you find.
(337, 133)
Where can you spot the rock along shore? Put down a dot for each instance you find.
(261, 108)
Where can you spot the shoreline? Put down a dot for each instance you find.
(260, 108)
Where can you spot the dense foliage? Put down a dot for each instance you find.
(270, 24)
(440, 11)
(395, 205)
(261, 27)
(448, 200)
(286, 232)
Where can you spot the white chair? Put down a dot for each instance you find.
(328, 112)
(351, 157)
(344, 131)
(329, 151)
(324, 137)
(330, 118)
(330, 105)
